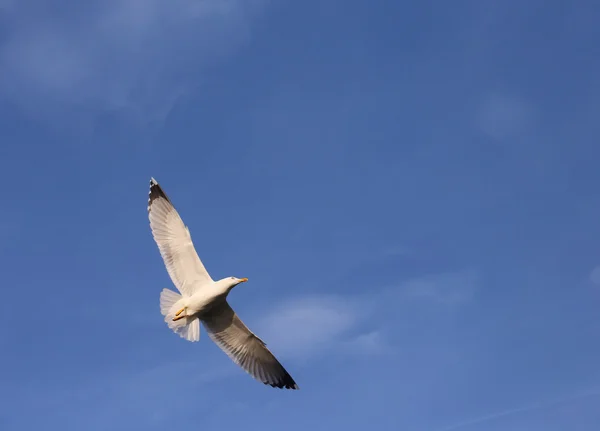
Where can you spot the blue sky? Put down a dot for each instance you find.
(411, 188)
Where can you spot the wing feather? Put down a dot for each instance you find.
(248, 351)
(175, 243)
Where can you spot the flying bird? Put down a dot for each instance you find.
(201, 299)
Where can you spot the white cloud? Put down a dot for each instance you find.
(305, 325)
(136, 56)
(308, 326)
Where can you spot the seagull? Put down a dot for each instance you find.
(201, 299)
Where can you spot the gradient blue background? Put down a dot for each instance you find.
(412, 189)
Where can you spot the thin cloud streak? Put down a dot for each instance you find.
(532, 407)
(147, 393)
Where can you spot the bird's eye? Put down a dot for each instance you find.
(233, 278)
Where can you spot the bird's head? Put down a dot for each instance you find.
(231, 282)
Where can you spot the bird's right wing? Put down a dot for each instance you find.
(248, 351)
(175, 243)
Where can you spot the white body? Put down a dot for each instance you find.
(204, 298)
(201, 299)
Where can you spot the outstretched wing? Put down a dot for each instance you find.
(226, 329)
(175, 243)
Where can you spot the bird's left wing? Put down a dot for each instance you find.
(175, 243)
(248, 351)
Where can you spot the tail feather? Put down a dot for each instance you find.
(168, 299)
(188, 327)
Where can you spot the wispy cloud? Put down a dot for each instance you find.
(302, 326)
(371, 343)
(147, 394)
(6, 4)
(136, 56)
(504, 116)
(451, 288)
(595, 275)
(306, 326)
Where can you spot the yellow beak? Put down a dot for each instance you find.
(243, 280)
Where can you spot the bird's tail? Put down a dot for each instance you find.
(187, 327)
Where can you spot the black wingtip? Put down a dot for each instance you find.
(155, 192)
(285, 383)
(289, 383)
